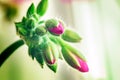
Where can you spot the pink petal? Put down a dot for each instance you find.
(51, 62)
(57, 30)
(83, 66)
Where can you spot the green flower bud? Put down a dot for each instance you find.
(50, 52)
(40, 30)
(71, 36)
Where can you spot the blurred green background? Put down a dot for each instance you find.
(98, 23)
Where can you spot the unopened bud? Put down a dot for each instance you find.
(50, 52)
(74, 59)
(40, 30)
(54, 26)
(83, 67)
(71, 36)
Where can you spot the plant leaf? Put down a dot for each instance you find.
(31, 10)
(42, 7)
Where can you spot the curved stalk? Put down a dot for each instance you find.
(8, 51)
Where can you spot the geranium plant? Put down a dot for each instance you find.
(47, 40)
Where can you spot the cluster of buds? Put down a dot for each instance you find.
(48, 41)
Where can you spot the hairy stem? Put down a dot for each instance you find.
(8, 51)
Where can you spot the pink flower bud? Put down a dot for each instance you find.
(75, 59)
(54, 26)
(83, 66)
(57, 30)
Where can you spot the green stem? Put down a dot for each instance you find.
(8, 51)
(61, 42)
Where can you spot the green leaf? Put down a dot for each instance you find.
(31, 10)
(42, 7)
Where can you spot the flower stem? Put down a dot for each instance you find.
(8, 51)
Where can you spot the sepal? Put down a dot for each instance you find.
(53, 67)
